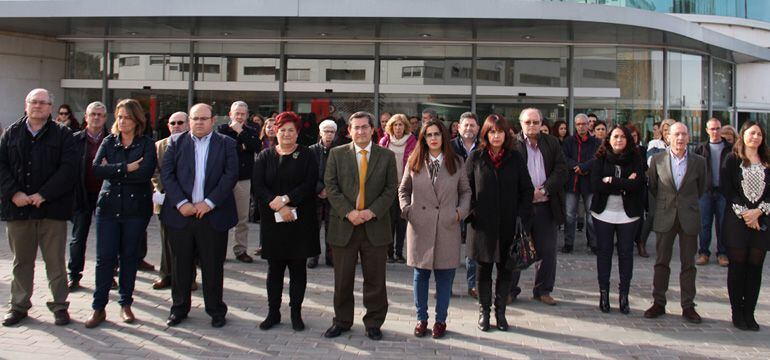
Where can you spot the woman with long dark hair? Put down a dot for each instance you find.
(745, 184)
(559, 129)
(617, 179)
(67, 118)
(501, 191)
(434, 196)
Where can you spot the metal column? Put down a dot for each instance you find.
(474, 64)
(571, 90)
(377, 85)
(665, 83)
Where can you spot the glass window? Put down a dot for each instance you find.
(326, 70)
(722, 84)
(153, 61)
(510, 107)
(78, 100)
(232, 68)
(688, 91)
(425, 50)
(429, 72)
(761, 117)
(260, 102)
(449, 107)
(158, 105)
(522, 66)
(85, 60)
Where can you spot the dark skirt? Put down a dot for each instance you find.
(736, 234)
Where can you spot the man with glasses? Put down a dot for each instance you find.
(327, 132)
(87, 188)
(199, 171)
(579, 151)
(38, 170)
(548, 170)
(361, 184)
(177, 124)
(712, 203)
(248, 144)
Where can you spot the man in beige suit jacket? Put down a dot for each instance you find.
(177, 124)
(359, 223)
(677, 180)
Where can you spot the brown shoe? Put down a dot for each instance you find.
(127, 315)
(655, 311)
(473, 293)
(245, 258)
(161, 283)
(439, 330)
(642, 249)
(723, 260)
(421, 329)
(691, 315)
(96, 318)
(145, 266)
(703, 259)
(545, 299)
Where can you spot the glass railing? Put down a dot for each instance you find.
(749, 9)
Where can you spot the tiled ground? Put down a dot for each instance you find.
(573, 329)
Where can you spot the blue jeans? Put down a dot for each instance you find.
(117, 239)
(571, 225)
(444, 280)
(470, 274)
(712, 204)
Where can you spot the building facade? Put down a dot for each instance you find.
(635, 61)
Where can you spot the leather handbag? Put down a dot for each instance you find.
(522, 253)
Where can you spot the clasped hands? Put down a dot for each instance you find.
(21, 199)
(280, 206)
(751, 218)
(608, 179)
(358, 217)
(198, 209)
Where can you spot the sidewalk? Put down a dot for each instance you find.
(575, 328)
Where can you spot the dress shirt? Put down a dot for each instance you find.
(29, 128)
(535, 164)
(201, 155)
(678, 168)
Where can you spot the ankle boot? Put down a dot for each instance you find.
(273, 318)
(500, 321)
(623, 301)
(296, 319)
(751, 295)
(604, 301)
(484, 318)
(739, 321)
(642, 248)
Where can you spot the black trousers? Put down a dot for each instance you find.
(544, 234)
(606, 234)
(297, 282)
(197, 239)
(484, 284)
(398, 229)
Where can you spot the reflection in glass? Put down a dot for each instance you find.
(449, 107)
(509, 107)
(232, 68)
(332, 71)
(158, 105)
(722, 84)
(259, 102)
(78, 100)
(431, 72)
(85, 60)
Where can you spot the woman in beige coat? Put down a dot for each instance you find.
(434, 196)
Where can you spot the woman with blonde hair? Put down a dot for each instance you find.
(398, 140)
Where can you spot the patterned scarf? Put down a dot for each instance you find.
(497, 160)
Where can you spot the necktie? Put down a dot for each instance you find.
(434, 166)
(362, 180)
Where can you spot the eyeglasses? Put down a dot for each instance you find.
(64, 113)
(433, 135)
(38, 102)
(714, 129)
(175, 123)
(201, 118)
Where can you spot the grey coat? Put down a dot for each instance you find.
(671, 203)
(433, 231)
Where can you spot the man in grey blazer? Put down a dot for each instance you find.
(361, 183)
(677, 180)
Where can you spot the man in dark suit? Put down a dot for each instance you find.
(548, 170)
(463, 144)
(199, 171)
(677, 180)
(361, 184)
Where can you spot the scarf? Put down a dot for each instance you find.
(433, 167)
(497, 160)
(399, 142)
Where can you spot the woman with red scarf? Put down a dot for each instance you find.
(501, 191)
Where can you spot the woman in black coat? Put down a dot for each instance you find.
(745, 184)
(284, 183)
(617, 179)
(126, 161)
(501, 191)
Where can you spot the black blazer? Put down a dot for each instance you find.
(125, 194)
(498, 196)
(555, 171)
(630, 190)
(178, 177)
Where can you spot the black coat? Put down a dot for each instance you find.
(498, 196)
(295, 176)
(125, 194)
(45, 164)
(630, 190)
(579, 154)
(734, 230)
(459, 148)
(321, 153)
(555, 172)
(248, 145)
(703, 149)
(81, 145)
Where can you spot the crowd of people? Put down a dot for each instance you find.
(413, 193)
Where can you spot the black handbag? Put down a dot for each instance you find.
(522, 253)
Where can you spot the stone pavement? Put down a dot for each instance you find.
(575, 328)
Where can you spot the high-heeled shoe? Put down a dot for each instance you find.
(624, 307)
(604, 301)
(483, 319)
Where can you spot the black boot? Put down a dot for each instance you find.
(624, 308)
(736, 283)
(738, 320)
(604, 301)
(751, 295)
(296, 319)
(273, 318)
(500, 321)
(485, 303)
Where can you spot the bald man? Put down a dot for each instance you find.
(677, 180)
